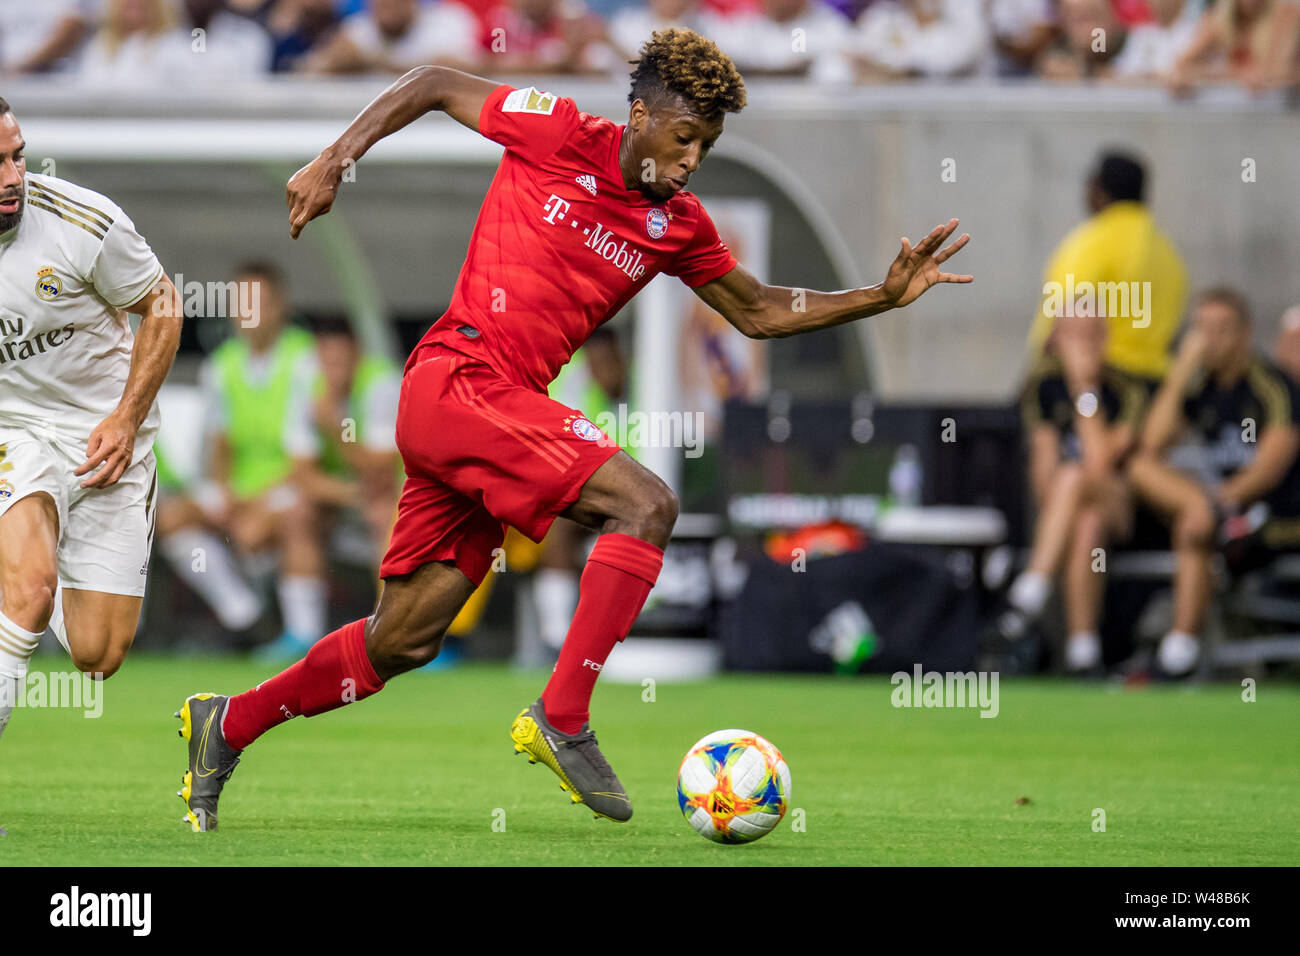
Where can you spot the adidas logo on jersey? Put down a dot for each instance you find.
(587, 182)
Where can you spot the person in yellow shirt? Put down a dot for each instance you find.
(1117, 264)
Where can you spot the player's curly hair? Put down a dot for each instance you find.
(681, 63)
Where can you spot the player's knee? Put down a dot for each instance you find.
(657, 508)
(394, 653)
(421, 654)
(409, 656)
(29, 599)
(100, 666)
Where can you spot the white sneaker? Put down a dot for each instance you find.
(1178, 653)
(1082, 652)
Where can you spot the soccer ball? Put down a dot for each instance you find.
(733, 786)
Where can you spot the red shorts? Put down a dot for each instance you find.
(481, 452)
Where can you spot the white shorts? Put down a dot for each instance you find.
(105, 534)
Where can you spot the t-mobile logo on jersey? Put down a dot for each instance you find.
(599, 239)
(555, 208)
(588, 662)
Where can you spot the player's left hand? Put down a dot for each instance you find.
(916, 268)
(109, 450)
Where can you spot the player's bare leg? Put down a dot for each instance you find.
(1192, 528)
(412, 616)
(100, 629)
(97, 628)
(634, 511)
(28, 580)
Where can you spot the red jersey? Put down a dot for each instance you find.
(561, 244)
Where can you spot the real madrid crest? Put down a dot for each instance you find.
(48, 285)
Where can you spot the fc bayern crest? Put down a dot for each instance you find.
(656, 223)
(584, 429)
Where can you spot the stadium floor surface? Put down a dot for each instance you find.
(420, 774)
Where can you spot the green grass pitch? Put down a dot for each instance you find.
(419, 775)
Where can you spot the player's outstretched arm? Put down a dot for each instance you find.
(763, 311)
(312, 190)
(109, 451)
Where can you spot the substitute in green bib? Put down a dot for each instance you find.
(354, 462)
(257, 387)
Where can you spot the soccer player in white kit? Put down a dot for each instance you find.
(77, 417)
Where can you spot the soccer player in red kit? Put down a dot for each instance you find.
(582, 213)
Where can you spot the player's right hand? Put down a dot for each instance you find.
(311, 192)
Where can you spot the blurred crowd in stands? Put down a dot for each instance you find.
(1181, 44)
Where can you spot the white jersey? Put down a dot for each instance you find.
(69, 267)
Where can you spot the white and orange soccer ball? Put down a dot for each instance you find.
(733, 787)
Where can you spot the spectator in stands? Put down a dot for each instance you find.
(786, 38)
(545, 36)
(921, 38)
(394, 36)
(214, 45)
(1082, 419)
(356, 463)
(1247, 496)
(1286, 350)
(1092, 36)
(258, 387)
(1022, 30)
(1253, 42)
(39, 36)
(1131, 269)
(1153, 47)
(126, 50)
(296, 27)
(632, 26)
(851, 9)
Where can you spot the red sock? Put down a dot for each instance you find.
(336, 671)
(619, 575)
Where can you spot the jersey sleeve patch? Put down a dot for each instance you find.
(529, 100)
